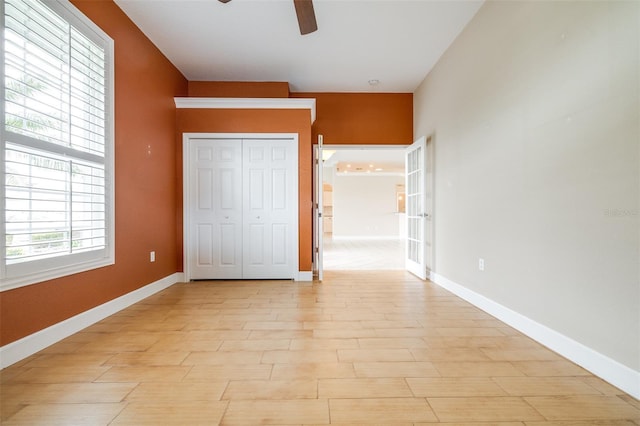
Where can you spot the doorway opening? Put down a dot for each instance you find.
(363, 211)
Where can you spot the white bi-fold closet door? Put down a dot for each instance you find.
(242, 208)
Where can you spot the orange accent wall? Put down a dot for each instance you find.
(145, 175)
(363, 118)
(239, 89)
(148, 167)
(257, 121)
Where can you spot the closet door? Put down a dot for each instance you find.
(215, 195)
(269, 208)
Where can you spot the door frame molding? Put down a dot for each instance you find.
(296, 274)
(318, 209)
(430, 164)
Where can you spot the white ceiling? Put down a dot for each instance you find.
(394, 41)
(375, 160)
(368, 154)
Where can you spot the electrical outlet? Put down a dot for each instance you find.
(481, 264)
(152, 256)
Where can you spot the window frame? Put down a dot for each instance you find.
(32, 272)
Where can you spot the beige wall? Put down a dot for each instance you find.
(365, 206)
(535, 112)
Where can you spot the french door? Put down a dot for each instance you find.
(418, 214)
(241, 208)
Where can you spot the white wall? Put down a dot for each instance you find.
(365, 206)
(535, 113)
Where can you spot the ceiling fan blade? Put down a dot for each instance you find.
(306, 16)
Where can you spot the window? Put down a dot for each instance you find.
(57, 143)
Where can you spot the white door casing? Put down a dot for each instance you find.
(240, 206)
(416, 204)
(318, 207)
(429, 229)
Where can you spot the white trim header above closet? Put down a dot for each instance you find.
(249, 103)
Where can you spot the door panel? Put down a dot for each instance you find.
(255, 250)
(269, 166)
(227, 186)
(228, 233)
(216, 212)
(205, 183)
(279, 244)
(279, 153)
(279, 189)
(256, 190)
(205, 245)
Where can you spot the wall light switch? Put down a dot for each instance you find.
(481, 264)
(152, 256)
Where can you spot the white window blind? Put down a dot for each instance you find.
(57, 136)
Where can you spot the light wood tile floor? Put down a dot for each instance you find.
(363, 347)
(363, 254)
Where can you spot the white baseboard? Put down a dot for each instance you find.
(602, 366)
(29, 345)
(305, 276)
